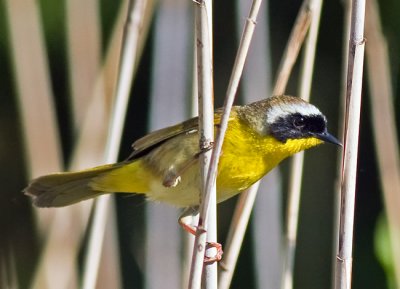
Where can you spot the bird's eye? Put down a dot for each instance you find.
(299, 122)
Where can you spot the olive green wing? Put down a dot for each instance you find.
(145, 144)
(157, 137)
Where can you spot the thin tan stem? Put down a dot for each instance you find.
(206, 229)
(349, 168)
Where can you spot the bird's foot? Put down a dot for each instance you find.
(217, 257)
(186, 222)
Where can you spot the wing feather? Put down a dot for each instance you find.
(156, 138)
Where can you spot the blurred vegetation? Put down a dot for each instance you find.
(314, 258)
(383, 252)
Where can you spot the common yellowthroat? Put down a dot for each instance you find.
(164, 164)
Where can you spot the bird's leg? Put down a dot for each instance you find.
(186, 222)
(173, 176)
(186, 219)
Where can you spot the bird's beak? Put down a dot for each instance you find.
(327, 137)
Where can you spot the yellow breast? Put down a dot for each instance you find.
(247, 156)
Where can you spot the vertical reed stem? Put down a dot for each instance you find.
(206, 229)
(349, 161)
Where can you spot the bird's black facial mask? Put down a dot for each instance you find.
(295, 126)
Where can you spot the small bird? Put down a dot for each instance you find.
(164, 164)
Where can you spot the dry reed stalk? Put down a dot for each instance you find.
(384, 124)
(341, 124)
(84, 51)
(349, 162)
(132, 31)
(297, 162)
(207, 227)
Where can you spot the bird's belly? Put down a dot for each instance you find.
(184, 194)
(234, 176)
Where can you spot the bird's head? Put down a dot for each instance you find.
(293, 122)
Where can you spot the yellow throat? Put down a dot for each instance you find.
(247, 156)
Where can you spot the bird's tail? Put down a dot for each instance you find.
(62, 189)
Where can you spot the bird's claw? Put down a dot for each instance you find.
(218, 255)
